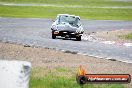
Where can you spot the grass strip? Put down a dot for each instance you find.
(51, 12)
(60, 78)
(127, 37)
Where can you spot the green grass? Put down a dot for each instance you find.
(51, 12)
(60, 78)
(83, 12)
(127, 37)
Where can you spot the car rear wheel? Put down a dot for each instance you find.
(53, 35)
(78, 38)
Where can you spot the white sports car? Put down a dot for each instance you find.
(67, 26)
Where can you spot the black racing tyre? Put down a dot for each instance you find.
(78, 38)
(81, 80)
(53, 35)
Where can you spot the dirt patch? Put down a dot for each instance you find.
(46, 58)
(113, 35)
(52, 58)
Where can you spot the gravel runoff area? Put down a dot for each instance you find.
(49, 58)
(113, 35)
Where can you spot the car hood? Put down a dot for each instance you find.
(67, 27)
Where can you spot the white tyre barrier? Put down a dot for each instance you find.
(14, 74)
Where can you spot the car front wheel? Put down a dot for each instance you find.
(53, 35)
(78, 38)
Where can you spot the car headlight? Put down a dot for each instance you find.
(54, 27)
(79, 30)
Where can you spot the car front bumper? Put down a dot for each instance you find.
(66, 33)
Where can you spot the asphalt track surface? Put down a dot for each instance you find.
(36, 32)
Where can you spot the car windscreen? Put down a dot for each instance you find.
(72, 20)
